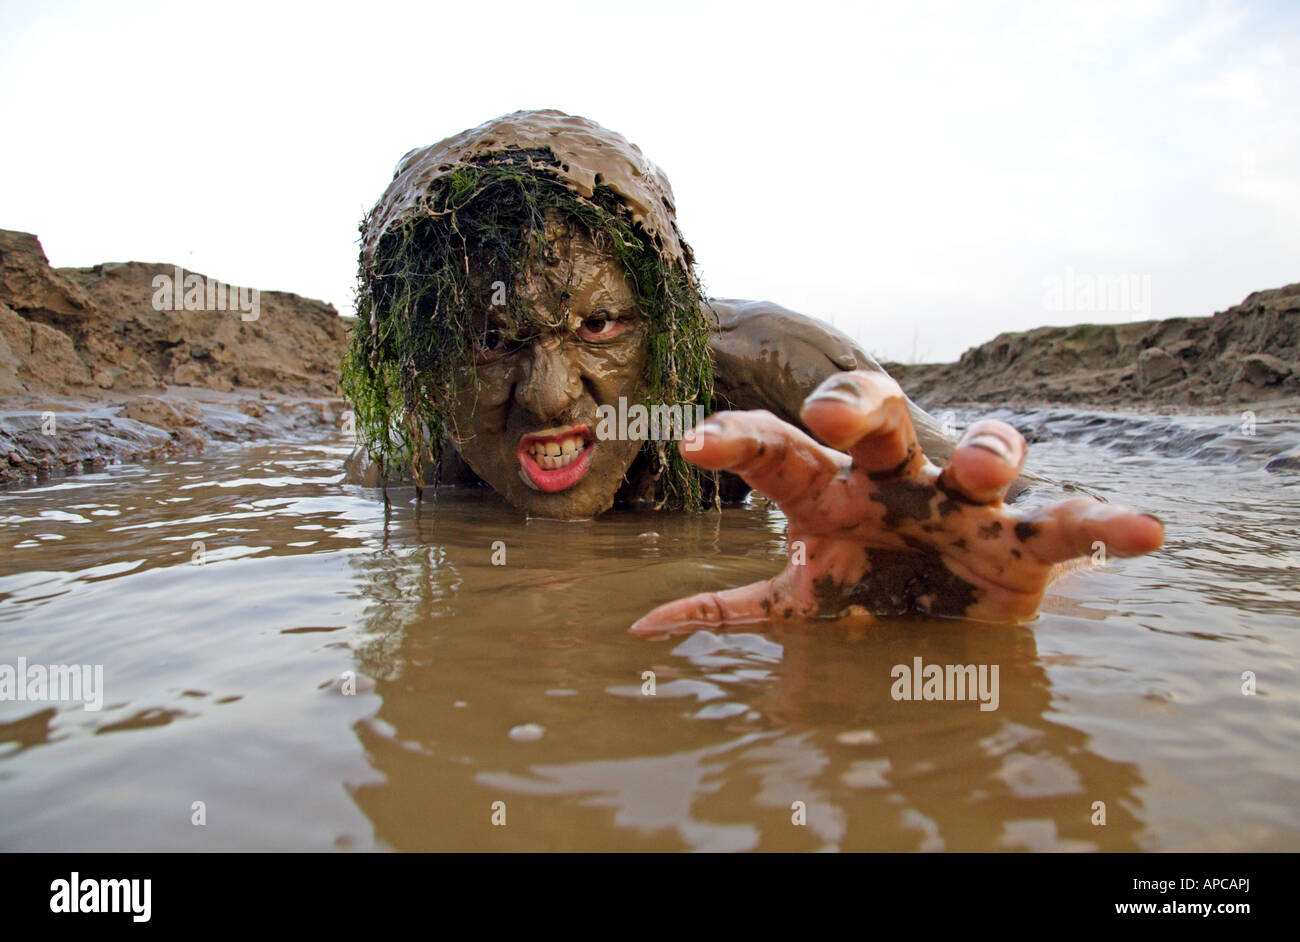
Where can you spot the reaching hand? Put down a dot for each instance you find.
(875, 529)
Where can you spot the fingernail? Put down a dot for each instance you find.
(845, 390)
(693, 440)
(835, 395)
(991, 443)
(1155, 518)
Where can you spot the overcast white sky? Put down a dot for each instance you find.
(919, 173)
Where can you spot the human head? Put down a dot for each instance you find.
(483, 267)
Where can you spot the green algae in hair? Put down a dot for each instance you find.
(415, 341)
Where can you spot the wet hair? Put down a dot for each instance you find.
(421, 294)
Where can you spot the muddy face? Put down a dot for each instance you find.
(529, 429)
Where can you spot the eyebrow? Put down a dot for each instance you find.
(602, 296)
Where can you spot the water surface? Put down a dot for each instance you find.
(235, 600)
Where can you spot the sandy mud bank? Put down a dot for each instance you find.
(1246, 355)
(127, 361)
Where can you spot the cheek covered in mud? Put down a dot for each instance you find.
(530, 431)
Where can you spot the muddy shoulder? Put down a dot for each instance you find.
(102, 365)
(1247, 356)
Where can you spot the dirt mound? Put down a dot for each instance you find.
(135, 326)
(1249, 353)
(125, 362)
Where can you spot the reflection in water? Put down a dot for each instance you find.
(740, 728)
(237, 600)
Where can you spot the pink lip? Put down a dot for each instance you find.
(551, 480)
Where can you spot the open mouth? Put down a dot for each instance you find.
(555, 459)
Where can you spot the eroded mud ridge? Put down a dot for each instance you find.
(67, 437)
(1247, 353)
(94, 369)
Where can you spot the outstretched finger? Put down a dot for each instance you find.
(1083, 526)
(726, 609)
(985, 462)
(778, 460)
(866, 415)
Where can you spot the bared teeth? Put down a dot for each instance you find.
(554, 454)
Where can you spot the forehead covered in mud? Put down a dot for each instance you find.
(579, 152)
(572, 273)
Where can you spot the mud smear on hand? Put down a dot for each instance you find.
(899, 583)
(903, 499)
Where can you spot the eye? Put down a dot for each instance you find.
(600, 326)
(496, 343)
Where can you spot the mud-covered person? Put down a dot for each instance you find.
(519, 276)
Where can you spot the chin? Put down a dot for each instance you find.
(577, 503)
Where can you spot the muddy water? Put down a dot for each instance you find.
(228, 597)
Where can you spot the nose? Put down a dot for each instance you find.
(550, 383)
